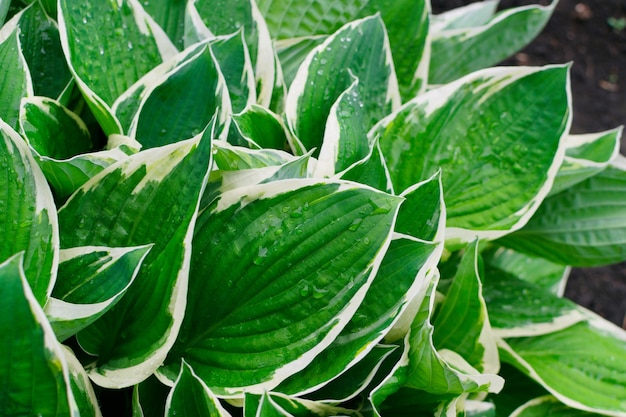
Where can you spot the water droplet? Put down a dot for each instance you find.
(296, 213)
(304, 291)
(261, 255)
(320, 72)
(130, 45)
(84, 20)
(355, 224)
(163, 132)
(278, 232)
(286, 209)
(323, 61)
(366, 240)
(101, 50)
(319, 292)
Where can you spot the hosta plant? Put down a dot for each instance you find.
(304, 208)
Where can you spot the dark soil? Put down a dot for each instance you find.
(589, 34)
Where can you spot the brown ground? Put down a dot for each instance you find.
(587, 33)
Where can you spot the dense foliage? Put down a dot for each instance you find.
(301, 208)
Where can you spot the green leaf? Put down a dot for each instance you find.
(149, 398)
(345, 135)
(443, 374)
(52, 129)
(331, 68)
(585, 156)
(423, 213)
(371, 171)
(401, 274)
(280, 405)
(457, 52)
(4, 8)
(235, 158)
(120, 39)
(170, 15)
(90, 281)
(83, 392)
(462, 323)
(285, 266)
(520, 308)
(223, 17)
(468, 16)
(183, 89)
(581, 226)
(501, 125)
(257, 126)
(231, 54)
(28, 217)
(539, 271)
(41, 45)
(15, 81)
(549, 406)
(393, 379)
(583, 375)
(292, 52)
(33, 371)
(191, 397)
(150, 197)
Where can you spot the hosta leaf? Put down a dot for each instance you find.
(280, 405)
(583, 375)
(151, 197)
(257, 126)
(190, 397)
(33, 371)
(518, 390)
(469, 16)
(15, 80)
(457, 52)
(371, 171)
(149, 398)
(292, 52)
(423, 212)
(581, 226)
(331, 68)
(183, 89)
(345, 135)
(81, 387)
(235, 158)
(442, 373)
(233, 58)
(479, 409)
(585, 156)
(90, 281)
(539, 271)
(549, 406)
(462, 323)
(401, 274)
(170, 15)
(4, 8)
(223, 17)
(355, 379)
(284, 271)
(117, 37)
(28, 217)
(519, 308)
(393, 379)
(503, 125)
(52, 129)
(41, 46)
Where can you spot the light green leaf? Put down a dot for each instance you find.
(443, 374)
(184, 89)
(15, 80)
(345, 135)
(496, 137)
(190, 397)
(468, 16)
(581, 226)
(549, 406)
(90, 281)
(259, 127)
(170, 15)
(585, 156)
(231, 54)
(520, 308)
(235, 158)
(28, 217)
(53, 130)
(423, 213)
(33, 371)
(223, 17)
(401, 274)
(474, 408)
(539, 271)
(4, 8)
(117, 37)
(41, 45)
(331, 68)
(83, 392)
(284, 273)
(583, 375)
(150, 197)
(462, 323)
(292, 52)
(457, 52)
(371, 171)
